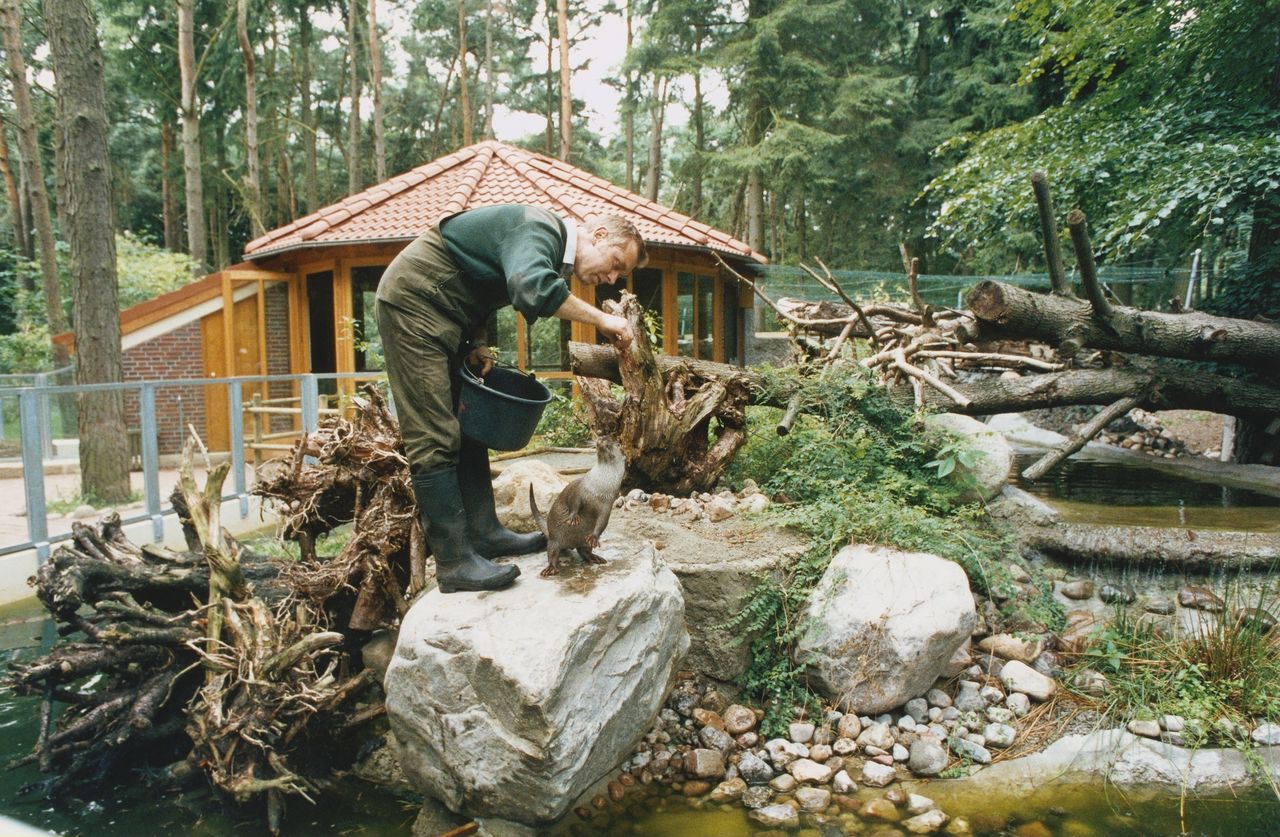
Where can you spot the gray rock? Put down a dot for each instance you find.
(1020, 677)
(801, 733)
(776, 816)
(926, 823)
(728, 790)
(511, 492)
(877, 735)
(1079, 589)
(1018, 703)
(877, 775)
(1000, 736)
(1160, 606)
(975, 753)
(739, 719)
(968, 699)
(1172, 723)
(991, 695)
(938, 698)
(820, 752)
(884, 624)
(757, 796)
(850, 726)
(754, 769)
(1267, 734)
(842, 782)
(845, 747)
(813, 800)
(510, 684)
(917, 804)
(900, 753)
(926, 758)
(719, 740)
(809, 771)
(1000, 714)
(918, 710)
(1116, 594)
(377, 652)
(783, 783)
(993, 460)
(705, 764)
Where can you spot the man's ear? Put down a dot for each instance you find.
(599, 234)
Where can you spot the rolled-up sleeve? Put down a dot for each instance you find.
(530, 255)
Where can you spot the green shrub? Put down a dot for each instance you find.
(564, 423)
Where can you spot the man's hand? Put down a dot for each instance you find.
(617, 329)
(480, 360)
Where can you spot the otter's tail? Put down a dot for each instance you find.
(537, 515)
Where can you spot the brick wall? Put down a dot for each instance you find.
(177, 354)
(275, 304)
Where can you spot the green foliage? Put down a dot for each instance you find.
(67, 503)
(146, 271)
(564, 423)
(854, 469)
(1227, 669)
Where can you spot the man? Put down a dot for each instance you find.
(433, 302)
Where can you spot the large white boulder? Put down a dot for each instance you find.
(993, 455)
(511, 704)
(511, 492)
(883, 626)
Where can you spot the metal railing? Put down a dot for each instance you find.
(33, 411)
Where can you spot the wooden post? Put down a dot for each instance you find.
(1052, 249)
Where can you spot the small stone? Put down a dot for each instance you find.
(1000, 714)
(705, 763)
(801, 733)
(809, 771)
(880, 809)
(975, 753)
(719, 509)
(757, 796)
(1200, 598)
(935, 714)
(755, 504)
(896, 795)
(1115, 594)
(1018, 573)
(877, 735)
(1049, 664)
(906, 723)
(820, 752)
(783, 783)
(1172, 723)
(959, 827)
(917, 804)
(1146, 729)
(1018, 703)
(1000, 736)
(776, 816)
(926, 758)
(1079, 589)
(991, 695)
(714, 739)
(1010, 647)
(1033, 829)
(1020, 677)
(728, 790)
(1255, 618)
(754, 769)
(877, 775)
(969, 697)
(926, 823)
(707, 718)
(918, 710)
(850, 726)
(842, 782)
(938, 698)
(845, 746)
(822, 735)
(1090, 682)
(747, 740)
(1268, 734)
(1161, 606)
(739, 719)
(616, 791)
(900, 753)
(813, 800)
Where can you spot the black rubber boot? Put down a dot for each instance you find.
(488, 537)
(458, 565)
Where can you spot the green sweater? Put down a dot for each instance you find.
(513, 254)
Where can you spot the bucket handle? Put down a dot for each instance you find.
(505, 364)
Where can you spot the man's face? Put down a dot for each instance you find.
(602, 260)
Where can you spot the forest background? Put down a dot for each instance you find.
(829, 130)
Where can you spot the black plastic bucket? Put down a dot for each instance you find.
(502, 409)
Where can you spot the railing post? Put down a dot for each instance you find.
(45, 416)
(235, 398)
(33, 472)
(151, 459)
(310, 392)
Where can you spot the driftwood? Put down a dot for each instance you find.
(152, 622)
(351, 471)
(679, 428)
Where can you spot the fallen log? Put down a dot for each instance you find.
(1162, 387)
(1150, 546)
(1012, 312)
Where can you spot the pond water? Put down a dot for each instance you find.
(1111, 493)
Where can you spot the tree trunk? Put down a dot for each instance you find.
(566, 97)
(488, 70)
(657, 111)
(197, 237)
(168, 211)
(307, 114)
(353, 114)
(11, 192)
(551, 125)
(464, 95)
(28, 141)
(375, 80)
(699, 130)
(86, 194)
(753, 135)
(253, 176)
(629, 113)
(1010, 311)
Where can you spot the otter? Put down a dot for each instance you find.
(580, 513)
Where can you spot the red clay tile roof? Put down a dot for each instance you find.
(486, 174)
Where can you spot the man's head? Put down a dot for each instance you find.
(608, 247)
